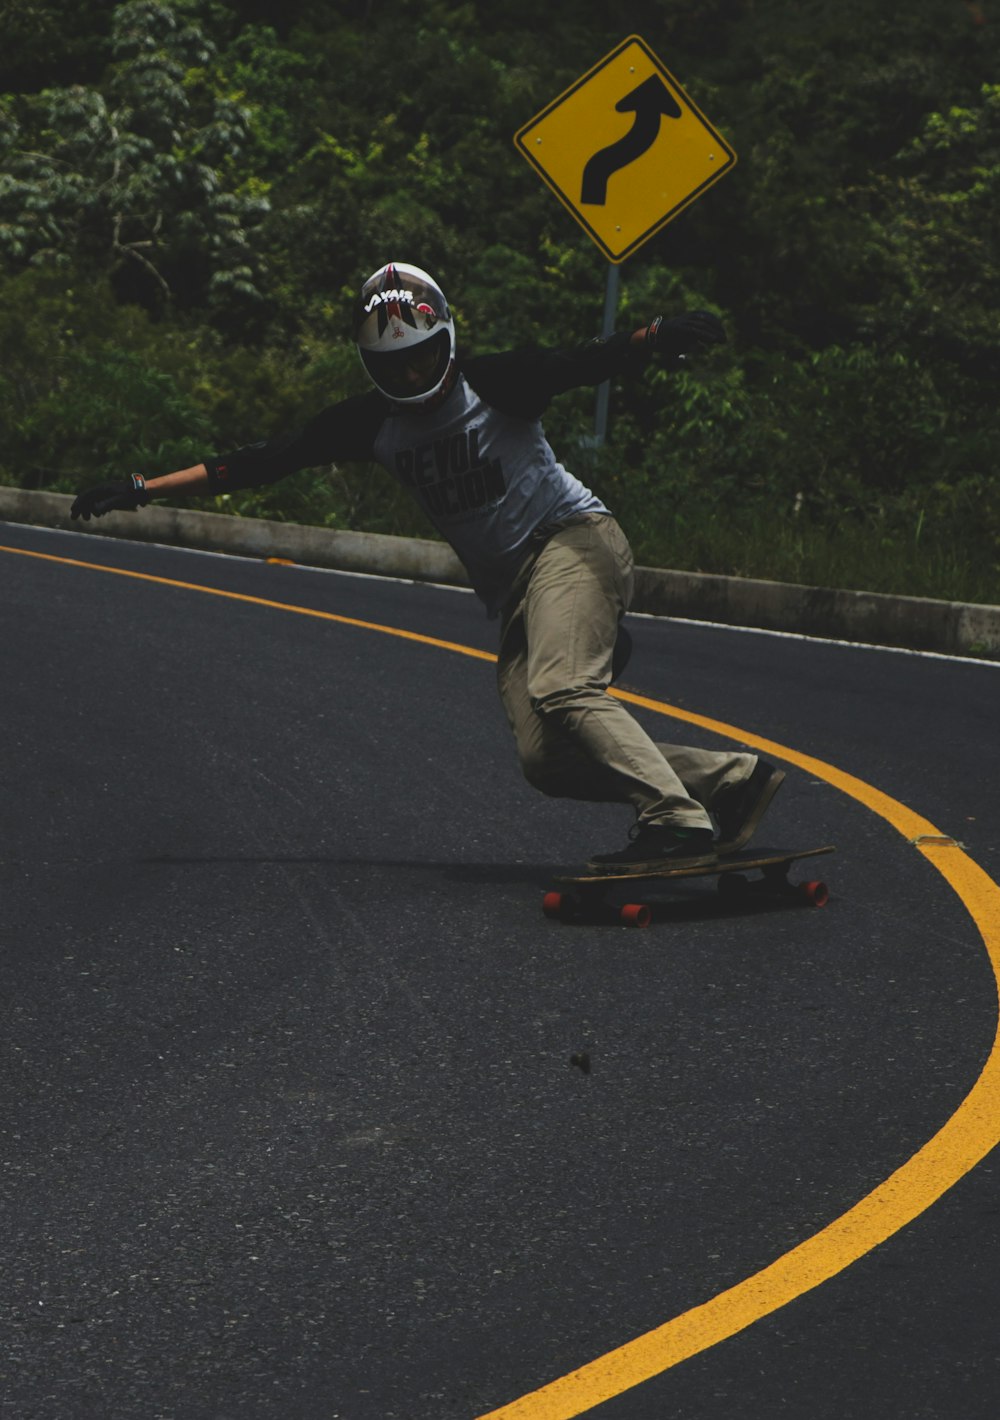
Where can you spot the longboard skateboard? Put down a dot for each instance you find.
(585, 896)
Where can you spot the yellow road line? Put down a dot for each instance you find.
(257, 601)
(911, 825)
(967, 1137)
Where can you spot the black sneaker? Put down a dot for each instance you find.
(652, 847)
(738, 811)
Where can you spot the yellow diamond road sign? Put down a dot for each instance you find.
(625, 149)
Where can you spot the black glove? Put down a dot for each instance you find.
(689, 334)
(109, 497)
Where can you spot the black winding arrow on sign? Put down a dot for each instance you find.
(650, 102)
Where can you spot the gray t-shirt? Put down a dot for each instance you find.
(478, 462)
(487, 481)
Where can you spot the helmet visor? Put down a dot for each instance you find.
(412, 371)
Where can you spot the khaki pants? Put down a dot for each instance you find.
(574, 740)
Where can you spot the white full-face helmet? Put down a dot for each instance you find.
(405, 333)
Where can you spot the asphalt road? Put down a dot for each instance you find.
(290, 1126)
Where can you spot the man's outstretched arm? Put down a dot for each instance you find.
(135, 492)
(185, 480)
(522, 382)
(343, 431)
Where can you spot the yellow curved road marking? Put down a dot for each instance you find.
(967, 1137)
(255, 601)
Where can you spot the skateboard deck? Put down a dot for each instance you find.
(584, 895)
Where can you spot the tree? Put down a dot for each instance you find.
(138, 179)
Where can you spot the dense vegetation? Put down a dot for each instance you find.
(191, 192)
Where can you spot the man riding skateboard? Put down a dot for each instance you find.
(543, 553)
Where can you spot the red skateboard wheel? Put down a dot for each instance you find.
(816, 894)
(635, 914)
(557, 905)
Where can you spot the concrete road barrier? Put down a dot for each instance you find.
(919, 623)
(417, 559)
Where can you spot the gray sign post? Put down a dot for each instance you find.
(610, 315)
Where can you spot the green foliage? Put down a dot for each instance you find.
(89, 386)
(140, 176)
(190, 193)
(80, 396)
(47, 42)
(933, 240)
